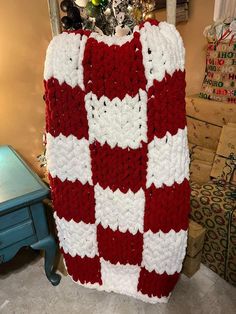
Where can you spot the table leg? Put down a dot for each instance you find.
(49, 246)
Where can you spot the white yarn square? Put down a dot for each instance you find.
(155, 59)
(77, 238)
(69, 158)
(63, 61)
(123, 211)
(117, 122)
(164, 252)
(120, 278)
(168, 159)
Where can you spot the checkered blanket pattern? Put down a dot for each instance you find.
(117, 157)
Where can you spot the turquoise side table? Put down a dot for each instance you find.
(22, 216)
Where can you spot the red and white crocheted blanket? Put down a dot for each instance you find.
(117, 157)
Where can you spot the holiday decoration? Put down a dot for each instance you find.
(66, 22)
(81, 3)
(104, 3)
(117, 157)
(65, 5)
(219, 79)
(96, 2)
(93, 11)
(106, 16)
(149, 15)
(73, 18)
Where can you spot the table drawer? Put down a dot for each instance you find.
(14, 218)
(7, 253)
(16, 234)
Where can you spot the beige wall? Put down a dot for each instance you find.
(24, 35)
(201, 15)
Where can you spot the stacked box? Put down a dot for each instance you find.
(205, 119)
(214, 207)
(196, 234)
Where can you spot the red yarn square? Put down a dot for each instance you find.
(116, 70)
(119, 168)
(65, 110)
(166, 105)
(73, 200)
(86, 269)
(167, 208)
(122, 247)
(157, 285)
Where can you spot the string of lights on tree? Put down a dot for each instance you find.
(106, 16)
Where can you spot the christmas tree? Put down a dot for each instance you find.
(105, 16)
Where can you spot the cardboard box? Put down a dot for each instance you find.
(192, 261)
(196, 235)
(206, 120)
(225, 160)
(200, 170)
(214, 112)
(227, 143)
(191, 264)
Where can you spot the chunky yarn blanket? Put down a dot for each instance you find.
(117, 157)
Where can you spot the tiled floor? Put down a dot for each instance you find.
(25, 289)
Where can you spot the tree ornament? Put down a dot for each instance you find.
(77, 25)
(137, 14)
(102, 15)
(92, 10)
(104, 3)
(96, 2)
(149, 15)
(81, 3)
(66, 22)
(65, 5)
(74, 14)
(150, 4)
